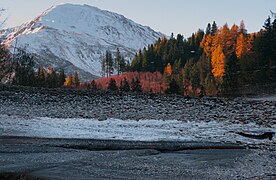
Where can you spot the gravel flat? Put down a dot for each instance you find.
(46, 159)
(35, 102)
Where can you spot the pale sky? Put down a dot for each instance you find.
(166, 16)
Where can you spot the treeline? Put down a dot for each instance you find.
(19, 69)
(219, 61)
(25, 74)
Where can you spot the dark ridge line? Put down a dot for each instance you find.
(107, 144)
(160, 149)
(265, 135)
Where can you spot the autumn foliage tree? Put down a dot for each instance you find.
(168, 70)
(218, 60)
(73, 80)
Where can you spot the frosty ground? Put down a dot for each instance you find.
(76, 134)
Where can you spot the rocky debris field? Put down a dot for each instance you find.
(68, 103)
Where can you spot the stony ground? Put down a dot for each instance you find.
(28, 158)
(73, 104)
(50, 159)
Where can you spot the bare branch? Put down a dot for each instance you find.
(3, 21)
(273, 14)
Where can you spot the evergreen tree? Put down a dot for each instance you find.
(187, 69)
(195, 77)
(109, 63)
(93, 86)
(210, 85)
(5, 63)
(24, 71)
(77, 80)
(214, 28)
(204, 66)
(41, 77)
(208, 29)
(112, 86)
(230, 79)
(173, 87)
(124, 86)
(51, 79)
(177, 74)
(122, 65)
(61, 78)
(103, 66)
(136, 85)
(267, 25)
(54, 79)
(117, 61)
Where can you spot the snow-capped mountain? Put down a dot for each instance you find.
(74, 37)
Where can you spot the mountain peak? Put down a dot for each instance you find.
(74, 37)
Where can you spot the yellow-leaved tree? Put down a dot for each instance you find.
(244, 45)
(218, 60)
(168, 70)
(69, 81)
(206, 44)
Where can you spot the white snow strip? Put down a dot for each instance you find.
(144, 130)
(264, 98)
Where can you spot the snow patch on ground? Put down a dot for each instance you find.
(264, 98)
(144, 130)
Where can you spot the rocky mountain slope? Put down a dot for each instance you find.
(74, 37)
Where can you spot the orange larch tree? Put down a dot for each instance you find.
(243, 45)
(168, 70)
(218, 60)
(206, 44)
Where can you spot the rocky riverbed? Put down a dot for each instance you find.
(66, 134)
(35, 102)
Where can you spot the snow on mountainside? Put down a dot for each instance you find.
(74, 37)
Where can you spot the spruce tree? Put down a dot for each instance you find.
(61, 78)
(24, 72)
(77, 80)
(195, 77)
(5, 63)
(93, 86)
(122, 65)
(267, 25)
(208, 29)
(109, 63)
(41, 77)
(117, 61)
(124, 86)
(136, 85)
(112, 86)
(173, 87)
(214, 28)
(103, 66)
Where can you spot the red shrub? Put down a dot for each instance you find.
(149, 81)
